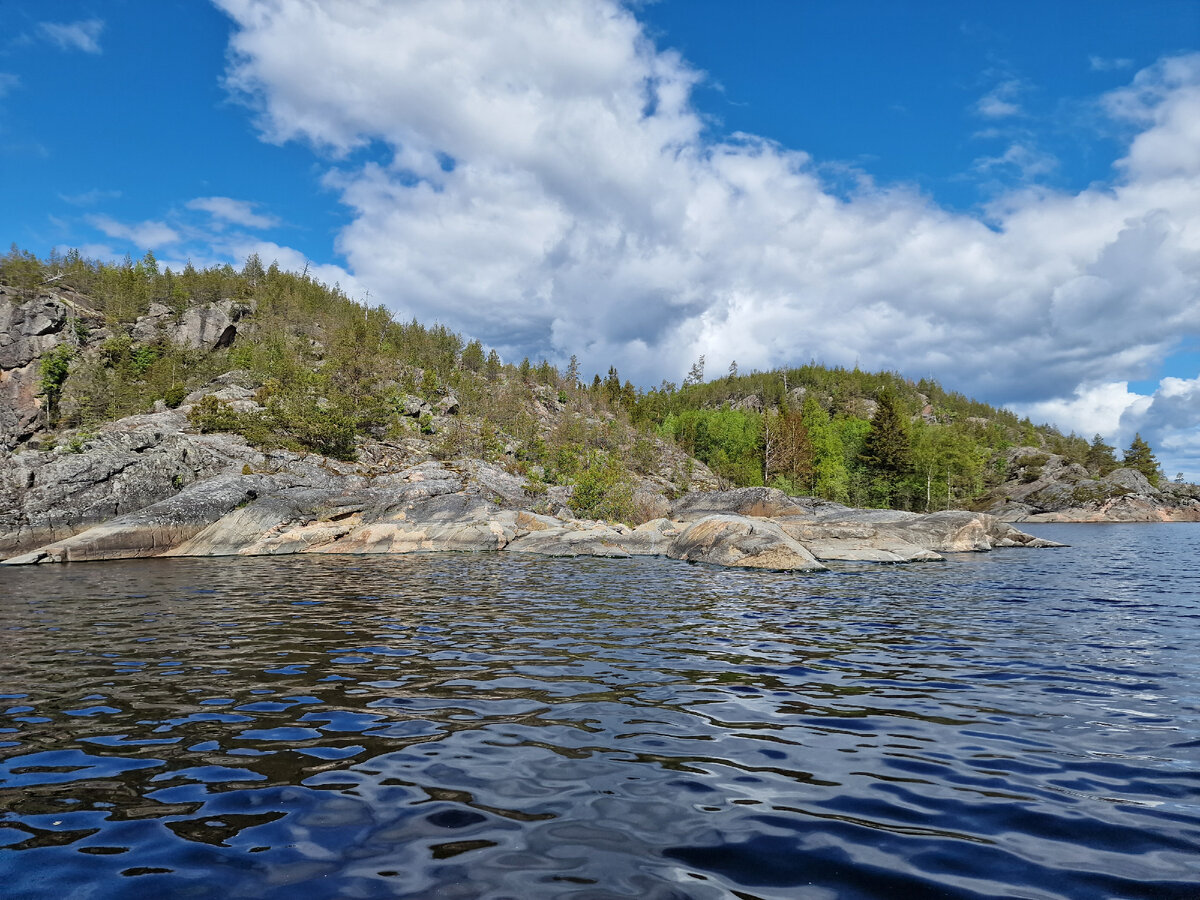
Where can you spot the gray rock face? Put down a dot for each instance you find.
(155, 530)
(208, 326)
(47, 496)
(1045, 487)
(28, 329)
(742, 542)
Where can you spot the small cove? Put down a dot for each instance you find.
(1018, 723)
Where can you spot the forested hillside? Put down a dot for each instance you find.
(329, 373)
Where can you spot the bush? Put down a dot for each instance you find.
(212, 415)
(174, 395)
(603, 490)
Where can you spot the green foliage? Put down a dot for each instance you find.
(76, 441)
(725, 440)
(603, 489)
(52, 375)
(334, 371)
(174, 395)
(22, 270)
(1140, 456)
(885, 453)
(212, 415)
(1101, 457)
(828, 475)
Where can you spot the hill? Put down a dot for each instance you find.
(294, 365)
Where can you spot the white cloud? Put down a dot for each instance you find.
(551, 191)
(1026, 161)
(1092, 409)
(81, 35)
(1108, 64)
(1001, 101)
(236, 212)
(8, 81)
(143, 235)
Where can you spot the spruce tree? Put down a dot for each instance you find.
(1100, 456)
(1139, 456)
(885, 451)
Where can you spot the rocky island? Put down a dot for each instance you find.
(146, 413)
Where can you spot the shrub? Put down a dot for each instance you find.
(603, 490)
(211, 415)
(174, 395)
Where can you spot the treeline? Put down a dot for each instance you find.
(332, 371)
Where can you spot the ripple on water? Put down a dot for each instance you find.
(1008, 724)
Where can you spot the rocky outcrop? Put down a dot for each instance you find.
(206, 326)
(286, 504)
(28, 329)
(1045, 487)
(744, 542)
(31, 327)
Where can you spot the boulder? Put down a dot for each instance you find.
(741, 541)
(1121, 481)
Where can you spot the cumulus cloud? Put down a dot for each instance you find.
(549, 187)
(236, 212)
(1092, 409)
(149, 235)
(81, 35)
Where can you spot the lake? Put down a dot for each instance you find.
(1021, 723)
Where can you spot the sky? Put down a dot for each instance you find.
(1004, 197)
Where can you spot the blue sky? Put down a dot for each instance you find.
(1002, 196)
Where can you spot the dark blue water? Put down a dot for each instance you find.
(1013, 724)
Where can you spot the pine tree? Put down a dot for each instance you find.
(1141, 457)
(472, 356)
(1100, 456)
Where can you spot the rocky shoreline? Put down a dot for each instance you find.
(1046, 487)
(146, 486)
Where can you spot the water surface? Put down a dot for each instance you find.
(1018, 724)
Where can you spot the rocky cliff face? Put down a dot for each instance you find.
(28, 329)
(1045, 487)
